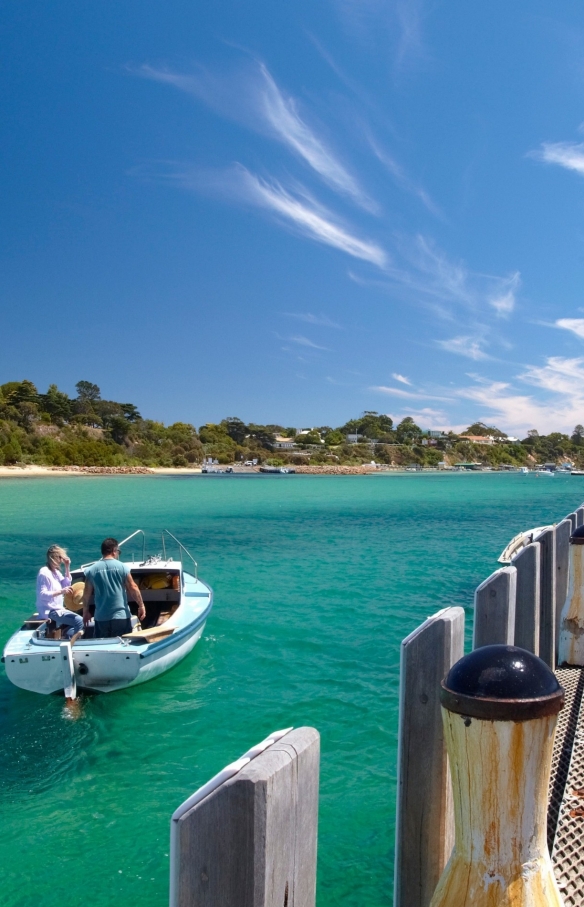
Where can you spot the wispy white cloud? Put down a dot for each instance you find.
(559, 375)
(401, 378)
(304, 341)
(427, 417)
(310, 218)
(575, 325)
(566, 154)
(559, 408)
(402, 179)
(320, 320)
(464, 346)
(283, 116)
(405, 395)
(409, 14)
(365, 20)
(297, 209)
(504, 299)
(251, 96)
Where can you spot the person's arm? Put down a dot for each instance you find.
(87, 592)
(66, 580)
(136, 596)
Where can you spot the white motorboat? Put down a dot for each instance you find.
(177, 606)
(519, 542)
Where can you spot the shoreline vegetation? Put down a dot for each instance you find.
(51, 433)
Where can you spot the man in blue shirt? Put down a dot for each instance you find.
(111, 581)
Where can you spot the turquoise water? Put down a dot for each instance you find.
(316, 579)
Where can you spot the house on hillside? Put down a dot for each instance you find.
(282, 443)
(478, 439)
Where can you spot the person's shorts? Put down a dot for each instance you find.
(106, 629)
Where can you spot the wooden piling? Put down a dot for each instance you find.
(500, 709)
(527, 605)
(494, 607)
(580, 516)
(251, 842)
(573, 517)
(424, 819)
(563, 533)
(547, 614)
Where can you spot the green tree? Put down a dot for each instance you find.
(57, 404)
(333, 438)
(479, 428)
(407, 431)
(312, 437)
(235, 428)
(87, 391)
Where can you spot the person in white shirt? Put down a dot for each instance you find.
(51, 584)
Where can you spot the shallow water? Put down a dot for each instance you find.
(316, 579)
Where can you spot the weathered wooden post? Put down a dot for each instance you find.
(248, 837)
(580, 516)
(563, 533)
(573, 517)
(424, 822)
(527, 564)
(547, 614)
(571, 647)
(499, 706)
(494, 603)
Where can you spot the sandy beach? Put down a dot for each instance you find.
(37, 472)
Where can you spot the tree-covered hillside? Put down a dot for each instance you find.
(54, 429)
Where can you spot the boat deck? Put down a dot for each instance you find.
(566, 794)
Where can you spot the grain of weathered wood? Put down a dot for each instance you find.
(547, 601)
(563, 533)
(527, 564)
(252, 842)
(424, 820)
(494, 609)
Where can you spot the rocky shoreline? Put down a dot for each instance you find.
(104, 470)
(335, 470)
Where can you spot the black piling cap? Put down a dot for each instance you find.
(502, 683)
(577, 537)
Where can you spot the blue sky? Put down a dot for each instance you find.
(295, 212)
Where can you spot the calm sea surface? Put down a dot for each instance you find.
(316, 579)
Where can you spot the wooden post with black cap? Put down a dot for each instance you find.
(499, 707)
(571, 644)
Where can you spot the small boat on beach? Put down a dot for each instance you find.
(519, 542)
(177, 606)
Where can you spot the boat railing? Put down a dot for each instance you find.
(181, 548)
(137, 532)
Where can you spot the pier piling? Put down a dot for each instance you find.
(527, 604)
(424, 820)
(563, 534)
(547, 614)
(500, 707)
(249, 837)
(494, 617)
(571, 642)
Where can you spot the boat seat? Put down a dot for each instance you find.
(151, 635)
